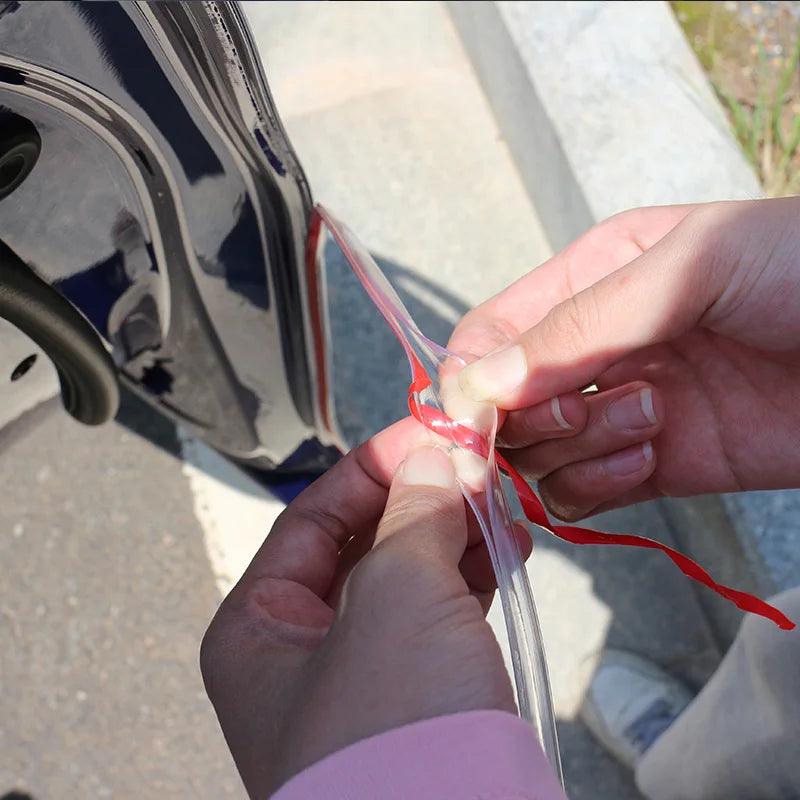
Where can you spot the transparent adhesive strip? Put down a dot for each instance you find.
(468, 431)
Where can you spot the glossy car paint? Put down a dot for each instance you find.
(166, 204)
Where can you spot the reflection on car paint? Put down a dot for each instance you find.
(167, 205)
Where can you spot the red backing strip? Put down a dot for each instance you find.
(315, 312)
(434, 420)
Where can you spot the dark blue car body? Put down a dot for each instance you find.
(153, 227)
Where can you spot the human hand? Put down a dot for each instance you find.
(686, 318)
(362, 611)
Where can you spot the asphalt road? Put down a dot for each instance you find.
(107, 587)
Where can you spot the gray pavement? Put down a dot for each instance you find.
(107, 588)
(117, 547)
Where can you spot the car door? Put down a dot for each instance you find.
(154, 227)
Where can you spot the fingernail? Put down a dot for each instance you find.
(547, 418)
(558, 415)
(428, 466)
(495, 375)
(470, 469)
(633, 411)
(629, 461)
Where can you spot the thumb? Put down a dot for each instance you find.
(656, 297)
(425, 515)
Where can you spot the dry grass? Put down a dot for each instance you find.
(752, 62)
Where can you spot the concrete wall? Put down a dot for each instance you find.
(605, 107)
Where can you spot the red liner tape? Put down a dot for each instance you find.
(435, 420)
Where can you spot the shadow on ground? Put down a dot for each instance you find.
(371, 371)
(652, 610)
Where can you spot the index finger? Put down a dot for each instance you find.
(655, 298)
(602, 250)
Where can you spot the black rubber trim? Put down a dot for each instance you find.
(89, 386)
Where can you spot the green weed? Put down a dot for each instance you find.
(765, 116)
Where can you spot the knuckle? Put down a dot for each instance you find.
(517, 433)
(575, 323)
(622, 219)
(409, 552)
(476, 334)
(325, 520)
(387, 572)
(239, 619)
(208, 654)
(565, 512)
(533, 463)
(527, 426)
(562, 503)
(616, 226)
(708, 214)
(212, 655)
(621, 227)
(702, 237)
(502, 331)
(239, 628)
(695, 235)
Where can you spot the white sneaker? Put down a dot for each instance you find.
(630, 703)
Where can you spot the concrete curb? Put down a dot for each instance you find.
(604, 107)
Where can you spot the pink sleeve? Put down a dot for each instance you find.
(477, 755)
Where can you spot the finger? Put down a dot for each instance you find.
(618, 418)
(658, 296)
(474, 532)
(575, 491)
(425, 512)
(485, 599)
(304, 544)
(599, 252)
(556, 418)
(476, 564)
(477, 570)
(640, 494)
(360, 545)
